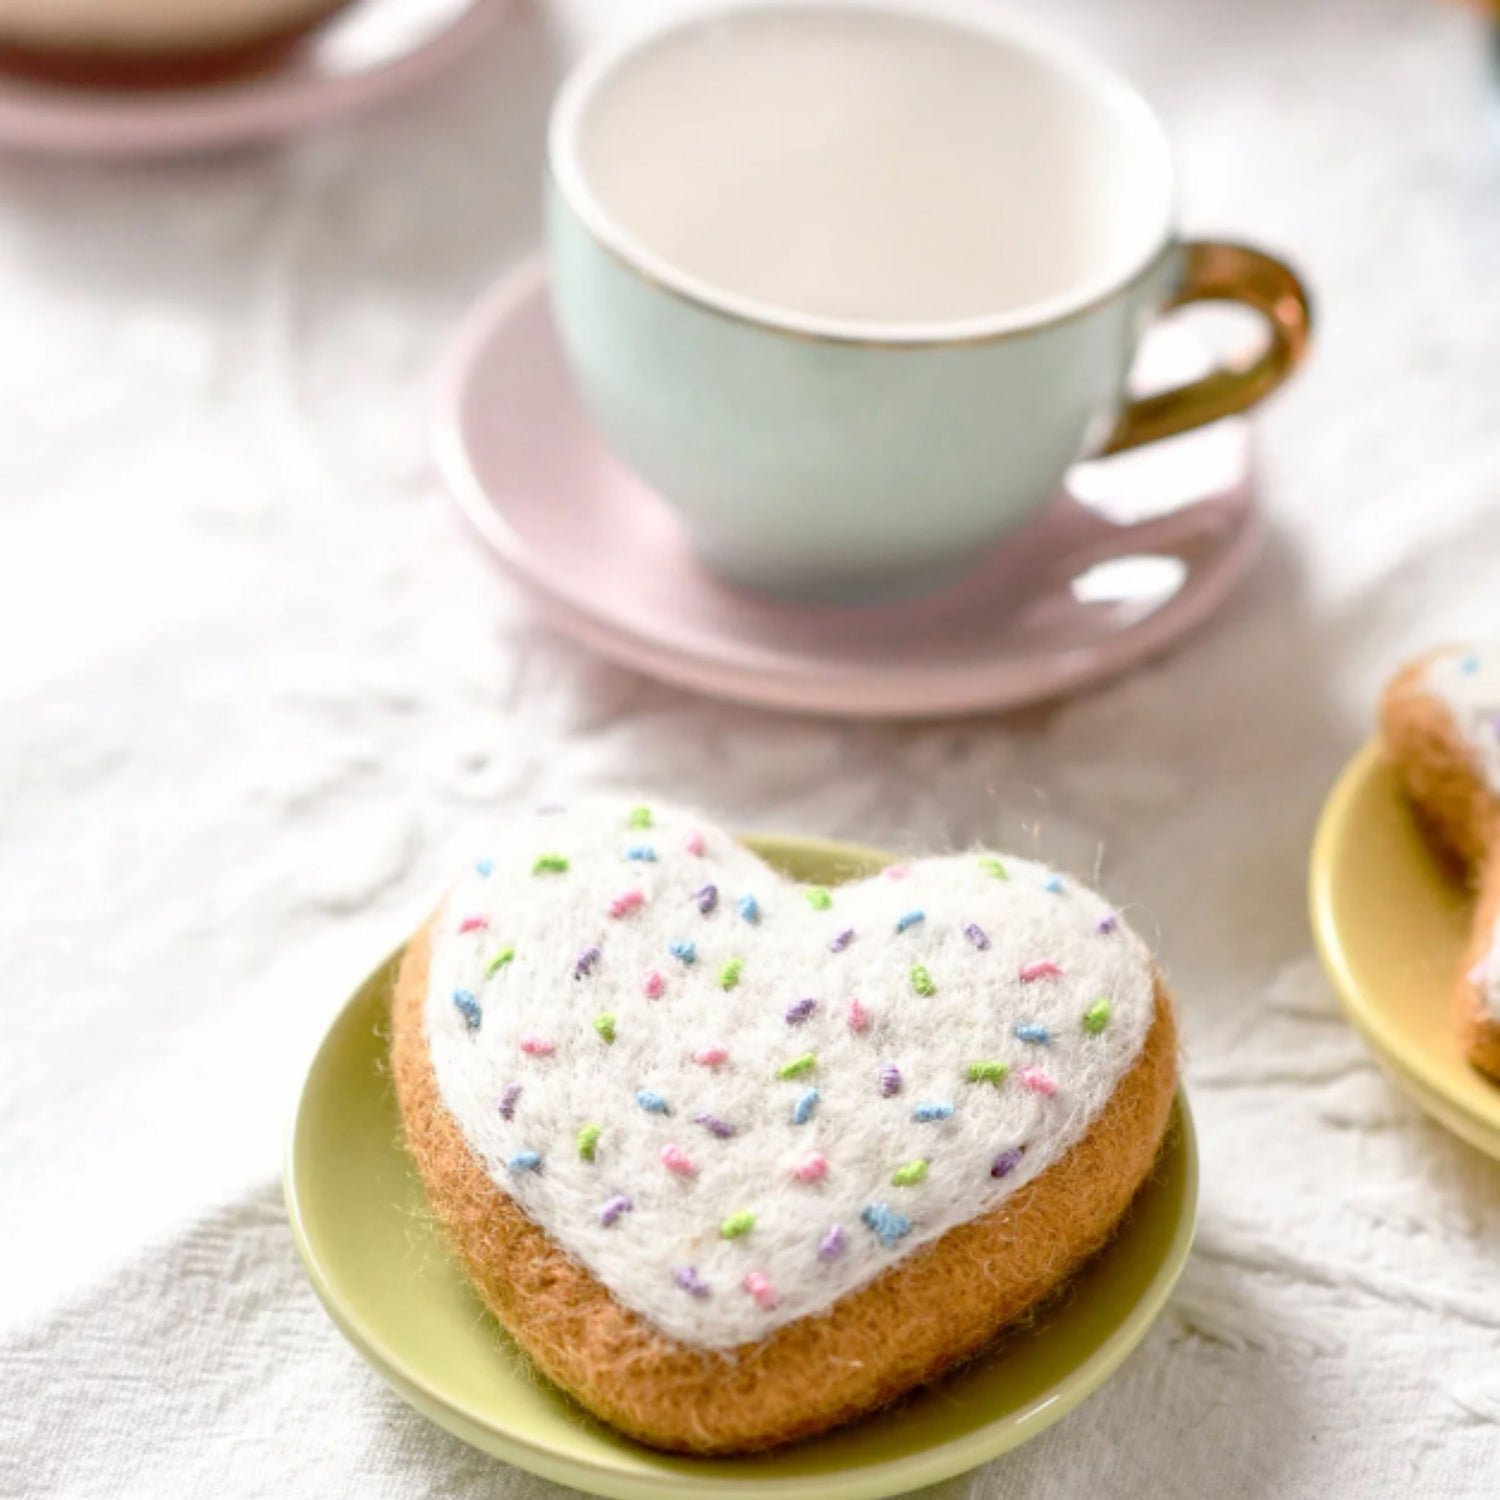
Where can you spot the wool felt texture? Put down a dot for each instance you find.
(998, 1013)
(1440, 719)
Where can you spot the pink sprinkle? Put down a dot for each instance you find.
(653, 984)
(1043, 968)
(758, 1284)
(1038, 1082)
(535, 1046)
(675, 1159)
(897, 872)
(473, 924)
(625, 903)
(859, 1017)
(812, 1168)
(694, 843)
(711, 1057)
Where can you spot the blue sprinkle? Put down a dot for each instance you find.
(1053, 883)
(687, 952)
(909, 919)
(803, 1108)
(750, 909)
(1038, 1034)
(642, 852)
(525, 1161)
(889, 1227)
(842, 941)
(1469, 665)
(486, 868)
(928, 1112)
(468, 1007)
(652, 1102)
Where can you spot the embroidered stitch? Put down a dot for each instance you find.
(468, 1007)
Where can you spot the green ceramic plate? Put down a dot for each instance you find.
(1391, 920)
(359, 1218)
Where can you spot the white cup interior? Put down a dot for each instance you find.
(866, 168)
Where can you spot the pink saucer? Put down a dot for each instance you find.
(1141, 548)
(363, 56)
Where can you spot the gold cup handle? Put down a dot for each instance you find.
(1218, 272)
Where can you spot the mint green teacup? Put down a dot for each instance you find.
(851, 283)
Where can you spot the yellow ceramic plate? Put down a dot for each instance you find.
(359, 1218)
(1391, 920)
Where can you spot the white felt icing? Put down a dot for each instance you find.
(979, 998)
(1466, 681)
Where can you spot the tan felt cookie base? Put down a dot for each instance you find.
(1439, 772)
(939, 1305)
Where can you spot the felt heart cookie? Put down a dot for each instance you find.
(736, 1159)
(1441, 722)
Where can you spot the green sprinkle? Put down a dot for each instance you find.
(909, 1175)
(798, 1066)
(588, 1141)
(992, 866)
(818, 898)
(736, 1225)
(549, 864)
(988, 1071)
(921, 981)
(1096, 1018)
(729, 975)
(640, 817)
(499, 961)
(605, 1026)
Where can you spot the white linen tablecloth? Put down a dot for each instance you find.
(256, 684)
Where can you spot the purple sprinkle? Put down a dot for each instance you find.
(1109, 923)
(707, 898)
(842, 941)
(549, 809)
(508, 1097)
(714, 1125)
(798, 1013)
(1495, 723)
(614, 1208)
(586, 961)
(689, 1280)
(1007, 1162)
(977, 935)
(833, 1244)
(890, 1080)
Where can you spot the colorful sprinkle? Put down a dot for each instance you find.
(1096, 1017)
(758, 1284)
(550, 864)
(640, 817)
(729, 975)
(749, 909)
(736, 1225)
(1007, 1162)
(805, 1105)
(1108, 924)
(925, 1114)
(675, 1159)
(988, 1071)
(842, 941)
(833, 1243)
(536, 1046)
(626, 902)
(605, 1026)
(890, 1080)
(977, 935)
(588, 1141)
(653, 984)
(818, 898)
(711, 1057)
(687, 952)
(1468, 665)
(714, 1125)
(498, 962)
(509, 1097)
(550, 809)
(485, 867)
(473, 924)
(1038, 1082)
(468, 1007)
(921, 981)
(586, 961)
(909, 919)
(613, 1208)
(1054, 884)
(859, 1017)
(798, 1066)
(689, 1280)
(812, 1168)
(1042, 968)
(707, 898)
(896, 871)
(799, 1012)
(909, 1174)
(642, 854)
(1038, 1036)
(694, 844)
(888, 1225)
(525, 1161)
(652, 1102)
(992, 866)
